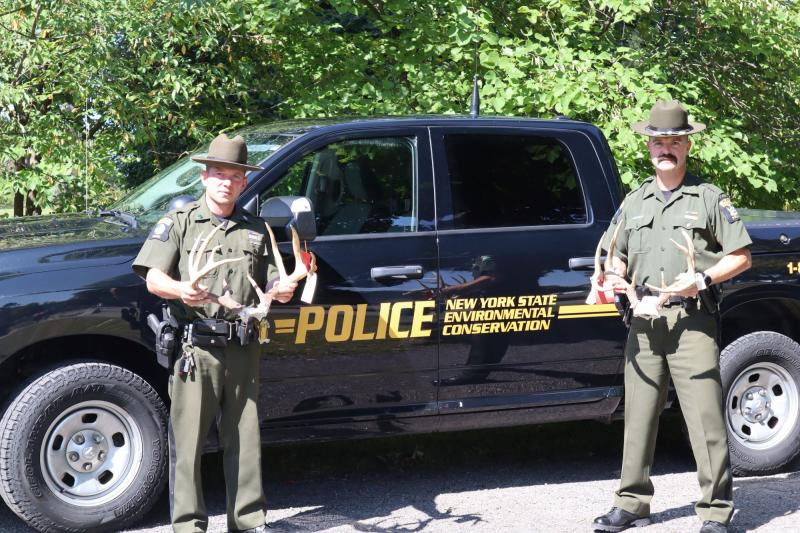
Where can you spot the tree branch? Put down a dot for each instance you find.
(15, 9)
(25, 53)
(13, 31)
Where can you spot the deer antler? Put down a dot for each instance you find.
(300, 270)
(686, 281)
(599, 290)
(197, 272)
(265, 299)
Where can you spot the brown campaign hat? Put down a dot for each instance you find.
(225, 152)
(668, 119)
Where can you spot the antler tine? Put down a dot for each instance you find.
(689, 252)
(630, 292)
(226, 300)
(300, 273)
(276, 252)
(196, 273)
(664, 296)
(609, 263)
(262, 296)
(300, 270)
(597, 253)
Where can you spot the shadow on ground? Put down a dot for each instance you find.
(317, 486)
(343, 483)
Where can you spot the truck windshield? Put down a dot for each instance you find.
(152, 198)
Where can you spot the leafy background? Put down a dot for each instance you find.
(97, 95)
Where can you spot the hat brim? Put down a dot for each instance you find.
(645, 129)
(223, 163)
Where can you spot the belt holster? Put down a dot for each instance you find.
(166, 333)
(710, 299)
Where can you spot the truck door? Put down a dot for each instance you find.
(514, 209)
(365, 347)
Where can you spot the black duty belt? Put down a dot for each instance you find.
(215, 332)
(672, 301)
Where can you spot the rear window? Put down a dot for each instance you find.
(512, 180)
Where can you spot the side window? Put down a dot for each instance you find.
(357, 186)
(512, 180)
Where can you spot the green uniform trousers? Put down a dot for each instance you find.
(225, 382)
(682, 344)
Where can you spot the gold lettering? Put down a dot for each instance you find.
(461, 303)
(346, 313)
(305, 324)
(420, 318)
(383, 321)
(394, 321)
(358, 331)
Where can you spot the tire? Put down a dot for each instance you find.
(761, 388)
(83, 447)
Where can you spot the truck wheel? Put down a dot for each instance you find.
(760, 380)
(83, 448)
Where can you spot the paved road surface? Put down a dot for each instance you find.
(553, 478)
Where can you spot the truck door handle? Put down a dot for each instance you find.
(583, 263)
(396, 272)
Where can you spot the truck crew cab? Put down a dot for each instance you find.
(453, 257)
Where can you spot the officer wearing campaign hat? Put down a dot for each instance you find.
(682, 342)
(217, 370)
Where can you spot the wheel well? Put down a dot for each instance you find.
(781, 315)
(115, 350)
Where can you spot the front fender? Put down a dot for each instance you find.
(117, 312)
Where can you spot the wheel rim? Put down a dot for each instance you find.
(762, 405)
(91, 453)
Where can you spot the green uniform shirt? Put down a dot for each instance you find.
(649, 222)
(243, 235)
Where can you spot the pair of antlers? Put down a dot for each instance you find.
(198, 272)
(646, 307)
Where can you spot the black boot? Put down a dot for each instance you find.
(618, 519)
(263, 528)
(709, 526)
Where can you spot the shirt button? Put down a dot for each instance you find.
(663, 227)
(229, 250)
(662, 248)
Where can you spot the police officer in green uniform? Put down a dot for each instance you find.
(216, 371)
(682, 342)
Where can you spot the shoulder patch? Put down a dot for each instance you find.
(725, 205)
(161, 230)
(618, 214)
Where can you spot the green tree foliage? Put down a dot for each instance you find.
(96, 95)
(137, 82)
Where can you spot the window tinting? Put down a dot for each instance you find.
(357, 186)
(511, 180)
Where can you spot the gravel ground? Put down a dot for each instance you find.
(553, 478)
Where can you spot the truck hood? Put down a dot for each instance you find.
(772, 231)
(58, 242)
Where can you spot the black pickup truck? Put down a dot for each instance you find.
(454, 257)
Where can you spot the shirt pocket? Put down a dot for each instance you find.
(640, 231)
(697, 229)
(255, 254)
(201, 260)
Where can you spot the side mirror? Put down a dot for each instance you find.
(280, 212)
